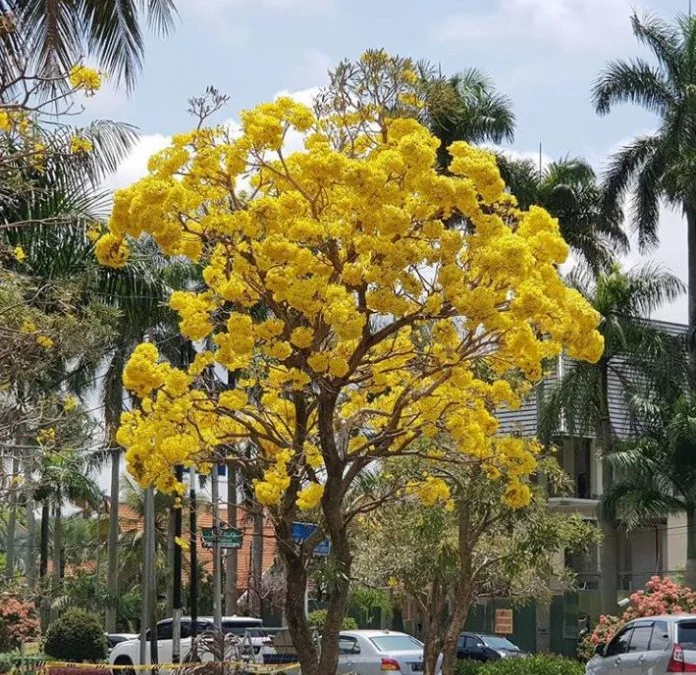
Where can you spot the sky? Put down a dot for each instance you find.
(544, 54)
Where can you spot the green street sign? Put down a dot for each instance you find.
(228, 537)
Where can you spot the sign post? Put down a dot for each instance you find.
(228, 537)
(503, 622)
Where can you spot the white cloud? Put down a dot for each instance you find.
(572, 24)
(135, 165)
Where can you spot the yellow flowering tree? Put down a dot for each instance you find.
(381, 327)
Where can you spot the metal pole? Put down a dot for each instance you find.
(231, 557)
(194, 551)
(152, 580)
(145, 607)
(176, 595)
(217, 576)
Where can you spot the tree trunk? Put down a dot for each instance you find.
(463, 591)
(690, 572)
(57, 545)
(608, 551)
(12, 522)
(255, 589)
(690, 213)
(30, 555)
(296, 584)
(112, 546)
(231, 557)
(43, 546)
(434, 629)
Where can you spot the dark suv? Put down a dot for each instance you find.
(479, 647)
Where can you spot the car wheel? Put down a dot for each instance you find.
(123, 661)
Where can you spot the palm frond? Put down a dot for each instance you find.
(634, 81)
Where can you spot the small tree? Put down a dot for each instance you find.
(485, 545)
(381, 327)
(76, 636)
(18, 622)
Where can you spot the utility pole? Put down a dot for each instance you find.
(176, 594)
(232, 553)
(147, 563)
(217, 576)
(194, 551)
(152, 579)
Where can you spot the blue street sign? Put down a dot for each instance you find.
(303, 531)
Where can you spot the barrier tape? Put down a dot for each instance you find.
(242, 665)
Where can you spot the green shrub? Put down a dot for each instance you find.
(468, 667)
(317, 619)
(535, 665)
(76, 636)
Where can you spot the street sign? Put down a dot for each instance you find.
(303, 531)
(503, 622)
(229, 537)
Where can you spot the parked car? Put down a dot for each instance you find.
(372, 652)
(481, 647)
(127, 653)
(114, 639)
(654, 645)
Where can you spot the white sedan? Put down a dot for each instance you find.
(374, 652)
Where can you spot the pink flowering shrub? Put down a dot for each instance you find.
(18, 622)
(660, 596)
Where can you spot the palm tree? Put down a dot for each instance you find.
(466, 107)
(660, 165)
(633, 348)
(59, 34)
(656, 474)
(569, 190)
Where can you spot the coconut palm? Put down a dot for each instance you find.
(569, 190)
(660, 165)
(632, 345)
(466, 107)
(58, 34)
(656, 474)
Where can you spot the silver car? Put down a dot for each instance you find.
(654, 645)
(374, 652)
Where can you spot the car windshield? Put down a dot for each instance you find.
(495, 642)
(395, 643)
(243, 628)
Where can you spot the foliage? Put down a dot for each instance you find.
(569, 190)
(76, 636)
(660, 596)
(656, 472)
(317, 619)
(481, 548)
(659, 165)
(18, 622)
(535, 665)
(57, 35)
(632, 345)
(381, 323)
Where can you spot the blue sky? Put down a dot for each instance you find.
(543, 53)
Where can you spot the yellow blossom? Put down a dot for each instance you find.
(87, 79)
(44, 341)
(80, 145)
(19, 254)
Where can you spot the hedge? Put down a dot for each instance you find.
(535, 665)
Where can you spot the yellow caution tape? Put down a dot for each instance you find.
(250, 667)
